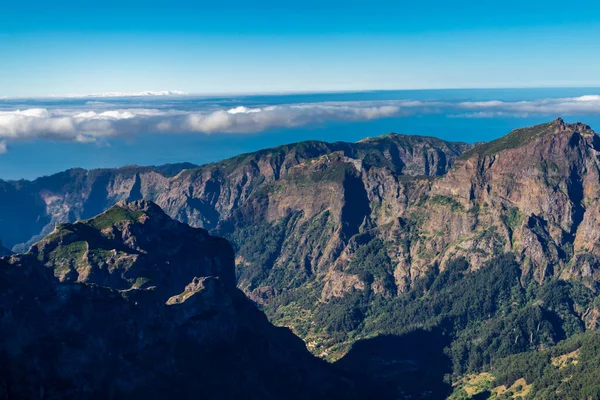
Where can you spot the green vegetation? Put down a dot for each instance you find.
(260, 244)
(473, 385)
(67, 257)
(140, 281)
(487, 316)
(513, 218)
(516, 138)
(71, 251)
(335, 172)
(451, 202)
(577, 379)
(371, 262)
(113, 216)
(99, 255)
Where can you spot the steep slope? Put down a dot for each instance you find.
(29, 210)
(201, 197)
(131, 304)
(532, 194)
(489, 251)
(567, 371)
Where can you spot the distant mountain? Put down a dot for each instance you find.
(131, 304)
(201, 196)
(4, 251)
(31, 209)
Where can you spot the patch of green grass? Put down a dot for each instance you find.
(335, 172)
(67, 257)
(98, 256)
(446, 201)
(70, 251)
(113, 216)
(513, 218)
(514, 139)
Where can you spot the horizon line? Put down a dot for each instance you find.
(183, 94)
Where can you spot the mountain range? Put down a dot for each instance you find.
(132, 304)
(419, 267)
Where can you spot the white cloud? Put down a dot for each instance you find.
(3, 146)
(87, 126)
(589, 104)
(95, 121)
(243, 110)
(144, 93)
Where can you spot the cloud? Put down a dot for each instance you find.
(244, 120)
(589, 104)
(3, 146)
(88, 126)
(93, 121)
(145, 93)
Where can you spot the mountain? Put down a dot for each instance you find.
(4, 251)
(373, 251)
(202, 196)
(132, 304)
(31, 209)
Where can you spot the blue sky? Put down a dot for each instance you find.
(360, 54)
(47, 135)
(58, 47)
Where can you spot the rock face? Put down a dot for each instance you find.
(533, 192)
(313, 222)
(132, 304)
(200, 196)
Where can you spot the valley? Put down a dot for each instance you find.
(420, 263)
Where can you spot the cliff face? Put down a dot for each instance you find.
(337, 225)
(338, 241)
(533, 192)
(313, 221)
(131, 304)
(202, 196)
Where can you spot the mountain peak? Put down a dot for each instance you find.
(523, 136)
(96, 313)
(135, 245)
(139, 207)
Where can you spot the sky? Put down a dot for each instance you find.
(63, 47)
(108, 83)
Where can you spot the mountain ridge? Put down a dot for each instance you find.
(155, 314)
(79, 194)
(491, 251)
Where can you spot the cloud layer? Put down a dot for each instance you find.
(90, 125)
(92, 121)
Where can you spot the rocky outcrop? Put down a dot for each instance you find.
(313, 221)
(200, 196)
(533, 193)
(132, 304)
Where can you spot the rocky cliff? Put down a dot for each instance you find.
(493, 249)
(200, 196)
(132, 304)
